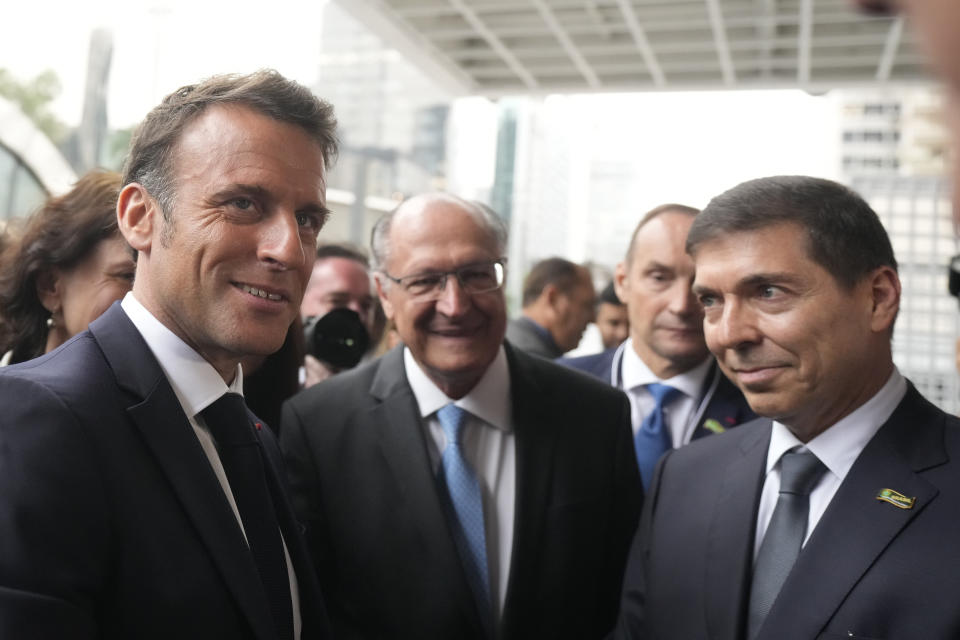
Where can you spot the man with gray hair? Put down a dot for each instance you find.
(141, 498)
(458, 487)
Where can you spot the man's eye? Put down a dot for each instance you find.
(309, 221)
(423, 283)
(707, 301)
(242, 203)
(478, 276)
(768, 291)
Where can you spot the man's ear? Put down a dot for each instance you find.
(619, 276)
(885, 290)
(137, 213)
(552, 295)
(381, 292)
(48, 289)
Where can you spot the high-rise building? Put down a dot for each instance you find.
(894, 153)
(392, 117)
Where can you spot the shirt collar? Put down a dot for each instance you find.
(489, 399)
(194, 380)
(636, 374)
(840, 444)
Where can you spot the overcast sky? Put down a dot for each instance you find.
(159, 45)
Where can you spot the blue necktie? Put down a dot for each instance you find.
(653, 438)
(467, 502)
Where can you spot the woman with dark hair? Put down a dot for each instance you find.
(68, 266)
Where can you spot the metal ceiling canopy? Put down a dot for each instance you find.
(510, 47)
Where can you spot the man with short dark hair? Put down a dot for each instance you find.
(458, 487)
(611, 318)
(142, 499)
(677, 393)
(340, 280)
(835, 514)
(558, 301)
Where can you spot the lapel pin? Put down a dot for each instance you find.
(712, 425)
(896, 498)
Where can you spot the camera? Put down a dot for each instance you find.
(337, 338)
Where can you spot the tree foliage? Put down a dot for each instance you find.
(34, 97)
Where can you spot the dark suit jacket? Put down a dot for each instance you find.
(112, 522)
(869, 569)
(527, 336)
(362, 483)
(727, 408)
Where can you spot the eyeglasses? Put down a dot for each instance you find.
(480, 277)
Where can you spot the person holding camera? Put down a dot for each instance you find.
(340, 281)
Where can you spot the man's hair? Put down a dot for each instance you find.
(60, 235)
(561, 273)
(484, 215)
(670, 207)
(152, 148)
(844, 235)
(609, 296)
(343, 250)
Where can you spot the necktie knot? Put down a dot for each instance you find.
(228, 421)
(452, 418)
(653, 439)
(800, 472)
(662, 394)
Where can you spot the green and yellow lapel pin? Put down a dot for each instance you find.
(896, 498)
(713, 425)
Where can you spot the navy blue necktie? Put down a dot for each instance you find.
(653, 438)
(467, 502)
(799, 474)
(242, 460)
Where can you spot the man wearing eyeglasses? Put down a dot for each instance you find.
(458, 487)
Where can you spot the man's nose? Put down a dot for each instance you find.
(734, 328)
(281, 243)
(453, 300)
(682, 300)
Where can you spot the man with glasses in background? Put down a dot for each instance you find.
(457, 487)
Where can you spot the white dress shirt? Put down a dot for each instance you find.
(837, 448)
(197, 385)
(681, 412)
(490, 449)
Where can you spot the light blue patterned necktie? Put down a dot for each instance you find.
(467, 502)
(653, 438)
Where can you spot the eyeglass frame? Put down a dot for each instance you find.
(437, 291)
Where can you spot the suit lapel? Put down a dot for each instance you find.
(158, 416)
(730, 541)
(397, 418)
(726, 408)
(856, 527)
(535, 443)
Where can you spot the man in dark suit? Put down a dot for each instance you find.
(665, 353)
(458, 487)
(558, 300)
(834, 515)
(141, 499)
